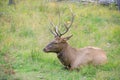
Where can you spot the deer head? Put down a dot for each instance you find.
(59, 43)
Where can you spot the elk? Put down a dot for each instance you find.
(73, 58)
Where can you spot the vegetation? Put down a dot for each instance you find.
(24, 33)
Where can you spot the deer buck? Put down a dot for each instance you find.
(70, 57)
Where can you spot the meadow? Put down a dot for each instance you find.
(24, 32)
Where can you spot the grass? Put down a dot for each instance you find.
(24, 33)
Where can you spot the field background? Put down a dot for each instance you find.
(24, 33)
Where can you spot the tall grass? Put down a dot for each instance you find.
(24, 33)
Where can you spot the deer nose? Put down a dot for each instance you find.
(45, 49)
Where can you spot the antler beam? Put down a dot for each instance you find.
(56, 31)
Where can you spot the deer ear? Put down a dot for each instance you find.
(67, 38)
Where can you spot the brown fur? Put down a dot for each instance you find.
(74, 58)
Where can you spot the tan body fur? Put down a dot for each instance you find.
(74, 58)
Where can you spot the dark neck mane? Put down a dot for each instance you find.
(65, 49)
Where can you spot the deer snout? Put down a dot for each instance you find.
(45, 50)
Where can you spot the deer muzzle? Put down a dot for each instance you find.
(45, 50)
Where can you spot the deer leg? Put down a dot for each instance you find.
(75, 65)
(77, 68)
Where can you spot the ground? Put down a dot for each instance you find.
(24, 33)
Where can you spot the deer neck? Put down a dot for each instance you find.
(65, 49)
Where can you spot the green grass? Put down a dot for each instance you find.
(24, 33)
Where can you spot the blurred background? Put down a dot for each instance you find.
(24, 32)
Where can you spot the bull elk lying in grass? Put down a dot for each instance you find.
(70, 57)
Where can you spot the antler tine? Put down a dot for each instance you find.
(52, 24)
(55, 28)
(71, 18)
(59, 22)
(68, 27)
(52, 32)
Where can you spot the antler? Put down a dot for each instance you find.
(55, 27)
(68, 27)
